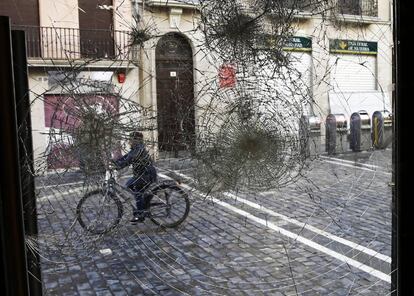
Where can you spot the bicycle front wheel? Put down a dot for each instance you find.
(99, 211)
(169, 205)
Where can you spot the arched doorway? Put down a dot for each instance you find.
(175, 93)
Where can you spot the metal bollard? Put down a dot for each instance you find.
(360, 131)
(336, 130)
(310, 135)
(381, 129)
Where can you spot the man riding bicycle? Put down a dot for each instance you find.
(143, 170)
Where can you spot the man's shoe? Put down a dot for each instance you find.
(138, 219)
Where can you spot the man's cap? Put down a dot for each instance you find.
(137, 135)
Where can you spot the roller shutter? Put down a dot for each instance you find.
(352, 73)
(302, 62)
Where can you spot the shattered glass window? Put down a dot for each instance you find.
(228, 147)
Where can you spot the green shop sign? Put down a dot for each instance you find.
(298, 44)
(267, 41)
(353, 47)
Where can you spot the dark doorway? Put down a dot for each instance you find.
(175, 93)
(96, 29)
(24, 16)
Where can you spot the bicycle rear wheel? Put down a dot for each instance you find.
(169, 205)
(99, 211)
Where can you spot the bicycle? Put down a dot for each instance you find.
(101, 210)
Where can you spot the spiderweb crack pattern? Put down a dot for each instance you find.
(238, 150)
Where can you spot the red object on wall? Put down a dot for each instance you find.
(121, 77)
(227, 75)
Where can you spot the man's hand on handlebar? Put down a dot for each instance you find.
(112, 165)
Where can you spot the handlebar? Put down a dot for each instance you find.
(111, 173)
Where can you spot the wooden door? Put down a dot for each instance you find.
(175, 93)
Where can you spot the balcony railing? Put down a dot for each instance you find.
(69, 43)
(358, 7)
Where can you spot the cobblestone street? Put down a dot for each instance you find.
(328, 234)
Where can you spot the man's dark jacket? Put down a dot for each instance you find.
(139, 158)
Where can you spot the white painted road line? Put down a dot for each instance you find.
(369, 166)
(60, 195)
(73, 183)
(352, 262)
(318, 231)
(58, 185)
(338, 239)
(356, 167)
